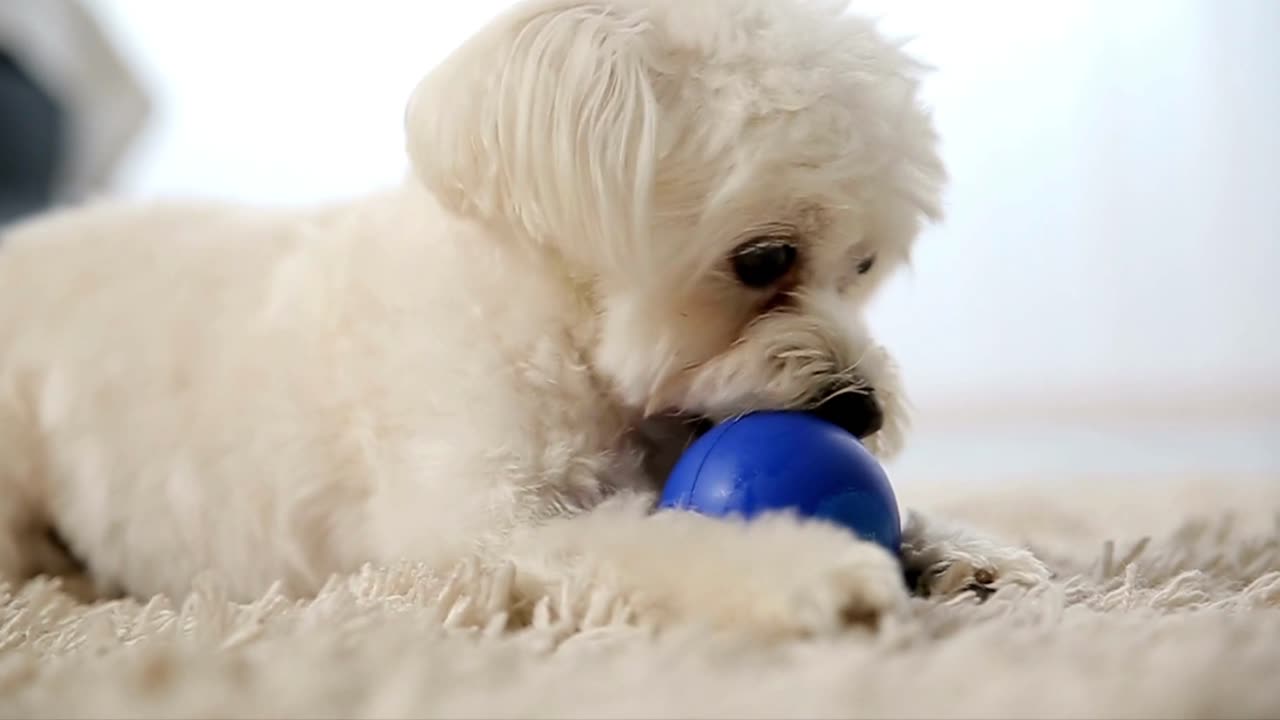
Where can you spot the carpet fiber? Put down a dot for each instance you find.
(1167, 604)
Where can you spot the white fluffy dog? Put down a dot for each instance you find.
(628, 217)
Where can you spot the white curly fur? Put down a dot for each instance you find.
(470, 365)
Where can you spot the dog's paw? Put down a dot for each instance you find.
(943, 561)
(777, 576)
(981, 575)
(859, 586)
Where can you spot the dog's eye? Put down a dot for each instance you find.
(865, 264)
(764, 261)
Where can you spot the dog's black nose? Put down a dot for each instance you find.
(857, 411)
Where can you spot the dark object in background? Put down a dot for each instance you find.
(32, 142)
(71, 106)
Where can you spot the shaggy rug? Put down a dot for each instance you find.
(1167, 604)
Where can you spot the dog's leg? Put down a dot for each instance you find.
(29, 547)
(776, 575)
(13, 562)
(16, 511)
(28, 544)
(944, 559)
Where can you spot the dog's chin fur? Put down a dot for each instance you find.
(524, 329)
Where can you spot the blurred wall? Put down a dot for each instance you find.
(1113, 222)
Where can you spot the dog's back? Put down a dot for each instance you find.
(274, 391)
(130, 334)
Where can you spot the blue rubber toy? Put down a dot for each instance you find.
(772, 461)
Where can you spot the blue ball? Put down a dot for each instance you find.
(775, 461)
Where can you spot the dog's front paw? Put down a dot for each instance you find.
(982, 575)
(856, 587)
(943, 560)
(777, 576)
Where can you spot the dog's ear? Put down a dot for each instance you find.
(544, 122)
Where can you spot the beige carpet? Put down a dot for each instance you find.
(1184, 625)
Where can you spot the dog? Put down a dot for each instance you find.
(625, 220)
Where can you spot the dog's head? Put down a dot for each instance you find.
(731, 179)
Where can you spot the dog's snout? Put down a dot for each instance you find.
(857, 411)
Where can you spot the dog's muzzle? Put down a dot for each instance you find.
(857, 411)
